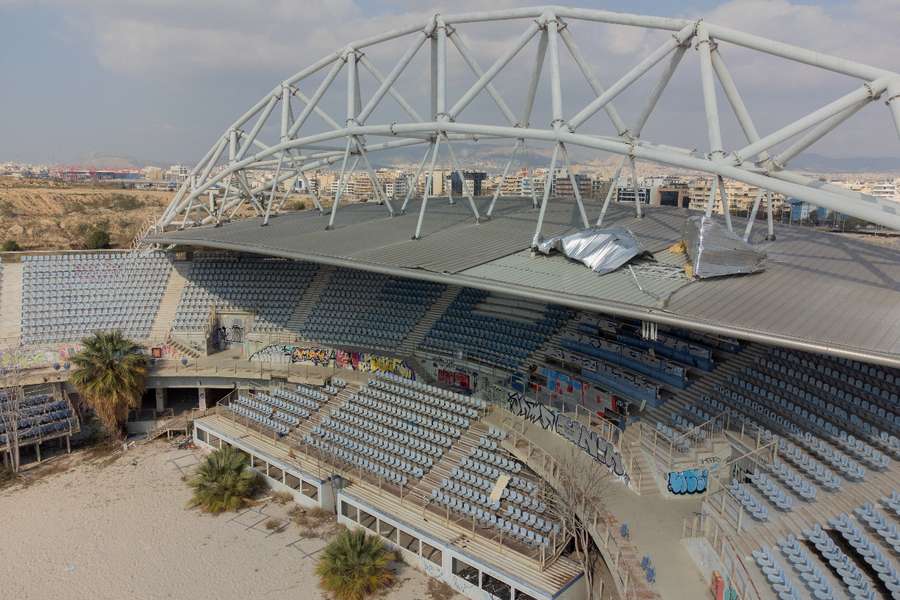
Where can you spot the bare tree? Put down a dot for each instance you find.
(580, 488)
(11, 400)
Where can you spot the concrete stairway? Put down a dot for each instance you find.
(168, 306)
(10, 303)
(418, 333)
(421, 491)
(310, 299)
(295, 437)
(632, 446)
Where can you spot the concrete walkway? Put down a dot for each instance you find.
(655, 522)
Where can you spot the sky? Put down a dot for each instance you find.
(159, 80)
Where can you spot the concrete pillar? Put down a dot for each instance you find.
(201, 398)
(160, 399)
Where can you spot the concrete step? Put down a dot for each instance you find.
(10, 303)
(418, 333)
(168, 306)
(310, 299)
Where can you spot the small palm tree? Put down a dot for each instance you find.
(355, 565)
(223, 481)
(110, 374)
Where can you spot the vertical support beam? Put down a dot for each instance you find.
(337, 194)
(428, 180)
(415, 183)
(613, 184)
(726, 207)
(512, 157)
(555, 80)
(272, 192)
(315, 194)
(710, 105)
(441, 70)
(711, 199)
(535, 80)
(352, 84)
(465, 188)
(574, 182)
(434, 74)
(638, 209)
(752, 216)
(547, 184)
(286, 94)
(770, 218)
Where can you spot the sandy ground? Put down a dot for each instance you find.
(117, 527)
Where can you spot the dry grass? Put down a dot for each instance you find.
(438, 590)
(314, 522)
(281, 497)
(273, 524)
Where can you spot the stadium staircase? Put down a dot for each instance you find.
(310, 299)
(418, 333)
(10, 302)
(295, 437)
(467, 442)
(168, 306)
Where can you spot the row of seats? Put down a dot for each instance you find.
(375, 468)
(328, 432)
(346, 415)
(491, 339)
(775, 575)
(451, 402)
(368, 310)
(800, 486)
(668, 344)
(772, 491)
(826, 416)
(278, 427)
(66, 297)
(857, 583)
(381, 443)
(849, 404)
(37, 414)
(813, 577)
(756, 509)
(870, 552)
(879, 523)
(269, 288)
(609, 377)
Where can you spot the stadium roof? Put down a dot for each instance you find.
(820, 292)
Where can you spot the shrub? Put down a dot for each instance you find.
(97, 238)
(11, 246)
(223, 482)
(355, 565)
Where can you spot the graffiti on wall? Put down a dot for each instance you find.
(22, 358)
(576, 432)
(691, 481)
(341, 359)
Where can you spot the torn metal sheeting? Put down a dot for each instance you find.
(714, 251)
(603, 250)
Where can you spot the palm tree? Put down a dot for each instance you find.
(223, 481)
(355, 565)
(110, 373)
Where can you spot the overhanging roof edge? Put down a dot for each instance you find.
(578, 302)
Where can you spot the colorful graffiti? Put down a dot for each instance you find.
(341, 359)
(576, 432)
(691, 481)
(35, 358)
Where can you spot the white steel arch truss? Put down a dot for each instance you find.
(218, 186)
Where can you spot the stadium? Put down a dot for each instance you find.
(712, 400)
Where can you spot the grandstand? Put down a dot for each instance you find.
(400, 403)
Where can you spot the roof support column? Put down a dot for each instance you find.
(428, 181)
(415, 182)
(547, 183)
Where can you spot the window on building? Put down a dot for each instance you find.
(388, 531)
(275, 472)
(465, 571)
(432, 554)
(202, 435)
(349, 511)
(495, 587)
(523, 596)
(408, 542)
(367, 521)
(292, 481)
(214, 441)
(309, 490)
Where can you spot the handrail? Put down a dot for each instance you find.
(687, 434)
(725, 550)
